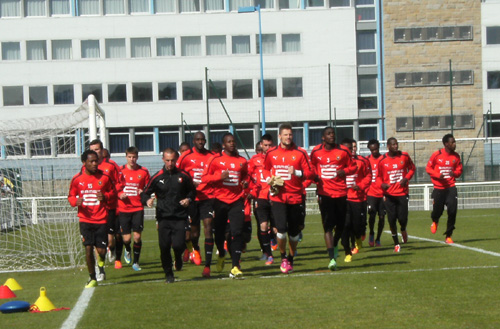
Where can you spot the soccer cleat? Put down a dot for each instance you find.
(354, 251)
(220, 263)
(274, 245)
(91, 284)
(284, 266)
(225, 246)
(136, 267)
(290, 268)
(195, 257)
(185, 257)
(270, 260)
(110, 256)
(333, 265)
(397, 248)
(235, 273)
(404, 234)
(371, 240)
(101, 276)
(170, 278)
(335, 252)
(363, 237)
(348, 259)
(377, 243)
(126, 257)
(118, 264)
(359, 243)
(434, 227)
(206, 272)
(448, 240)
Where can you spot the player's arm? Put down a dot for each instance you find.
(459, 169)
(73, 193)
(211, 176)
(380, 177)
(411, 169)
(190, 188)
(146, 198)
(431, 167)
(350, 166)
(365, 172)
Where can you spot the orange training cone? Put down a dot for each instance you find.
(6, 293)
(43, 303)
(12, 284)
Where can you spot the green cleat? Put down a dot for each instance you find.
(333, 265)
(220, 264)
(91, 284)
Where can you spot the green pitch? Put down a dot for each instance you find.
(427, 285)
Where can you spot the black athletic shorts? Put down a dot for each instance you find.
(263, 211)
(333, 211)
(131, 221)
(113, 224)
(200, 210)
(94, 235)
(288, 217)
(375, 205)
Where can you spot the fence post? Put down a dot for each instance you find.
(426, 197)
(34, 211)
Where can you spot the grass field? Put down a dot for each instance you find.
(427, 285)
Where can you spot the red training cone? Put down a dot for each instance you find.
(6, 293)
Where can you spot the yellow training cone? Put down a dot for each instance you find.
(12, 284)
(43, 303)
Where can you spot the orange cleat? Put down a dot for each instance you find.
(434, 227)
(195, 257)
(397, 248)
(449, 240)
(118, 264)
(404, 234)
(354, 251)
(206, 272)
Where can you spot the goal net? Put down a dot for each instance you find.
(39, 156)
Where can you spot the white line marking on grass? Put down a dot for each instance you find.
(79, 309)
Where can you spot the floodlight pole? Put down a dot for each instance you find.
(252, 9)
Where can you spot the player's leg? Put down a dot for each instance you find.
(101, 242)
(357, 218)
(402, 213)
(195, 256)
(381, 220)
(111, 225)
(236, 217)
(339, 212)
(206, 212)
(279, 211)
(125, 219)
(220, 224)
(137, 227)
(118, 245)
(165, 242)
(390, 207)
(438, 201)
(88, 243)
(179, 228)
(372, 215)
(346, 232)
(451, 206)
(263, 211)
(295, 223)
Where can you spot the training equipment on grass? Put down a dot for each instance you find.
(12, 284)
(15, 306)
(39, 156)
(6, 293)
(43, 303)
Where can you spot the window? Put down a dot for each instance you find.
(117, 93)
(144, 139)
(34, 8)
(340, 3)
(115, 48)
(59, 7)
(430, 34)
(61, 49)
(118, 140)
(88, 7)
(15, 150)
(169, 139)
(13, 96)
(241, 44)
(430, 79)
(214, 5)
(247, 139)
(40, 147)
(11, 51)
(292, 87)
(90, 49)
(167, 91)
(38, 95)
(114, 7)
(268, 44)
(315, 3)
(192, 90)
(36, 50)
(493, 35)
(140, 47)
(216, 45)
(366, 48)
(10, 8)
(64, 94)
(189, 6)
(289, 4)
(191, 46)
(164, 6)
(242, 89)
(142, 92)
(493, 80)
(365, 10)
(435, 122)
(290, 43)
(367, 92)
(218, 89)
(138, 6)
(367, 132)
(269, 88)
(165, 47)
(264, 4)
(94, 89)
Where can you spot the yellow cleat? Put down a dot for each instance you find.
(220, 264)
(235, 273)
(348, 259)
(91, 284)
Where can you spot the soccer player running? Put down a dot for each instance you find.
(395, 169)
(174, 191)
(194, 162)
(262, 206)
(288, 166)
(91, 190)
(375, 196)
(445, 167)
(130, 208)
(332, 164)
(228, 174)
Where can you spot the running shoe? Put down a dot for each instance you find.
(126, 257)
(434, 227)
(101, 276)
(270, 260)
(290, 268)
(220, 263)
(371, 240)
(206, 272)
(185, 257)
(404, 234)
(377, 243)
(333, 265)
(284, 266)
(274, 245)
(91, 284)
(170, 278)
(397, 248)
(354, 251)
(348, 259)
(195, 257)
(110, 256)
(235, 273)
(263, 257)
(136, 267)
(118, 264)
(448, 240)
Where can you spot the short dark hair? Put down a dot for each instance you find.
(132, 150)
(323, 132)
(85, 155)
(225, 135)
(96, 142)
(285, 126)
(446, 138)
(391, 139)
(216, 147)
(373, 142)
(267, 137)
(185, 144)
(347, 140)
(169, 150)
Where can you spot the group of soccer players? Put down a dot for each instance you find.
(218, 188)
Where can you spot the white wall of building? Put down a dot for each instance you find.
(490, 16)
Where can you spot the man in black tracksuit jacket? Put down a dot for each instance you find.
(174, 191)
